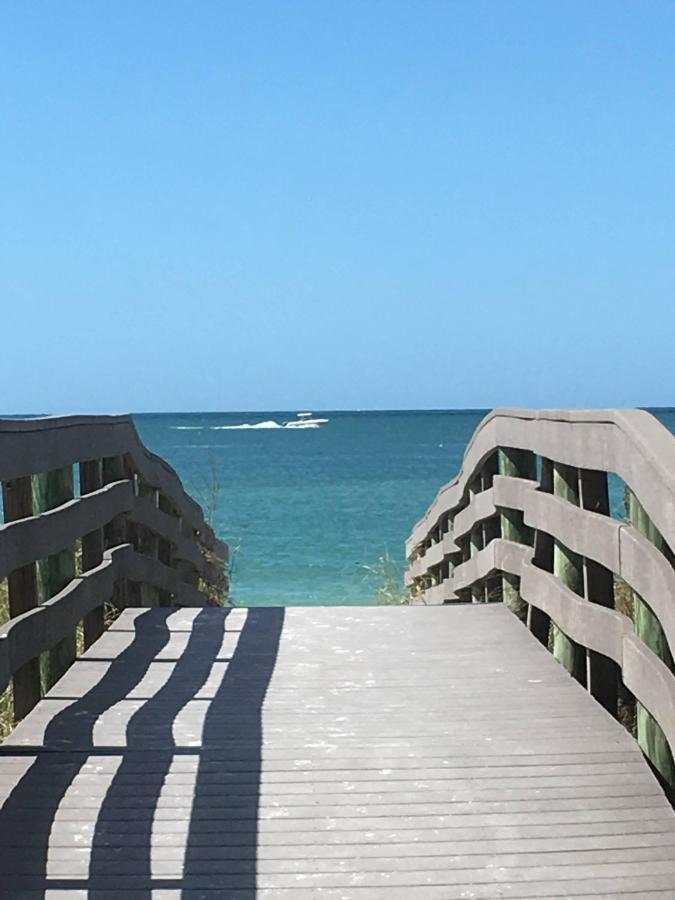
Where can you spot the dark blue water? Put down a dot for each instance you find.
(305, 511)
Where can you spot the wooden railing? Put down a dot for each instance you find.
(527, 521)
(130, 536)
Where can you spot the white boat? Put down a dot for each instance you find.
(305, 420)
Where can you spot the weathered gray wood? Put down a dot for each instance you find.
(145, 540)
(578, 541)
(568, 567)
(44, 627)
(45, 534)
(56, 571)
(91, 481)
(17, 496)
(631, 443)
(144, 570)
(37, 445)
(36, 537)
(38, 630)
(356, 752)
(515, 464)
(650, 736)
(602, 672)
(538, 621)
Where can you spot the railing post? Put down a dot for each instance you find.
(115, 532)
(516, 464)
(17, 496)
(91, 479)
(602, 673)
(52, 489)
(538, 621)
(475, 546)
(650, 737)
(568, 567)
(186, 570)
(152, 596)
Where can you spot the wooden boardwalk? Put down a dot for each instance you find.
(396, 753)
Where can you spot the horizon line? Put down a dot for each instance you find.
(216, 412)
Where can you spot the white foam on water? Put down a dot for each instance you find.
(270, 425)
(186, 427)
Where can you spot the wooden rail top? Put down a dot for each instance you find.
(90, 516)
(527, 521)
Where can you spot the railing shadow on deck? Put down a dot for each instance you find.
(224, 805)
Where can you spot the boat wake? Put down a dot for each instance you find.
(271, 425)
(257, 426)
(303, 421)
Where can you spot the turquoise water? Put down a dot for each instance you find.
(305, 510)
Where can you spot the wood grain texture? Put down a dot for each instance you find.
(342, 753)
(47, 533)
(22, 589)
(93, 543)
(56, 571)
(29, 446)
(631, 443)
(39, 536)
(578, 549)
(36, 631)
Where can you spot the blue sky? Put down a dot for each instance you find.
(250, 205)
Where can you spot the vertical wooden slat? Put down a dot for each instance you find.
(537, 620)
(190, 574)
(476, 540)
(165, 548)
(493, 583)
(489, 469)
(91, 479)
(133, 534)
(650, 737)
(517, 464)
(568, 567)
(52, 489)
(22, 586)
(149, 545)
(115, 533)
(602, 672)
(114, 469)
(476, 545)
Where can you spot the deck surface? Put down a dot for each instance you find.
(367, 753)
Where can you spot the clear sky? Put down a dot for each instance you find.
(248, 205)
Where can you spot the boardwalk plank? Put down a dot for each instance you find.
(336, 753)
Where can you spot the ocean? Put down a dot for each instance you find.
(308, 512)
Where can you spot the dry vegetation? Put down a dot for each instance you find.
(207, 489)
(623, 603)
(386, 575)
(6, 699)
(623, 598)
